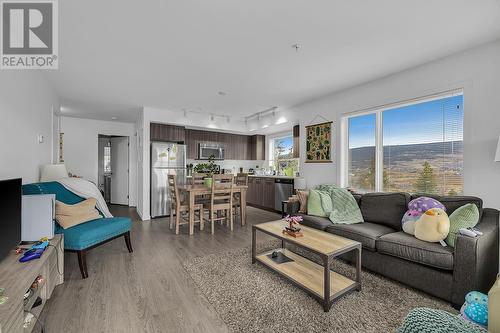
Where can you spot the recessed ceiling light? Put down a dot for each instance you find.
(114, 118)
(222, 93)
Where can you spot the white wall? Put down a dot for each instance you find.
(81, 148)
(26, 104)
(476, 70)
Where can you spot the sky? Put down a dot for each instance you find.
(432, 121)
(287, 143)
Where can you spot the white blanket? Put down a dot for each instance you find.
(86, 189)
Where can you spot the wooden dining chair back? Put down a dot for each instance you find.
(241, 179)
(180, 207)
(198, 178)
(221, 200)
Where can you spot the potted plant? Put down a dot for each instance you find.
(209, 168)
(292, 225)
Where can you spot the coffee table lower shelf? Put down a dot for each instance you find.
(310, 276)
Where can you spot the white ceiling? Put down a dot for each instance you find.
(119, 55)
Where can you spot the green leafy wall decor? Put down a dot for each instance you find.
(319, 143)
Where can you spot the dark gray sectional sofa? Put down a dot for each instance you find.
(445, 272)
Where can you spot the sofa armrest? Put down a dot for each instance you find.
(476, 259)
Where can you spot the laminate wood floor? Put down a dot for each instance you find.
(148, 290)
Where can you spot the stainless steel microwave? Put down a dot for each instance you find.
(207, 150)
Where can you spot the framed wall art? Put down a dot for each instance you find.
(319, 143)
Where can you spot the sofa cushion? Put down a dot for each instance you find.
(316, 222)
(402, 245)
(94, 232)
(385, 208)
(366, 233)
(453, 202)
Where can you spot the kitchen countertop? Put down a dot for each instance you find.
(280, 177)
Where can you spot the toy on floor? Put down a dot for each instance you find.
(433, 226)
(416, 208)
(475, 308)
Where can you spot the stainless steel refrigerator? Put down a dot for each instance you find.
(166, 158)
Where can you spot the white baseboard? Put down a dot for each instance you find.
(143, 218)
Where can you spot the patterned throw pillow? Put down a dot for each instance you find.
(302, 195)
(464, 217)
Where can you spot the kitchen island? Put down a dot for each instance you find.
(268, 192)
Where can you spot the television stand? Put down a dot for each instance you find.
(17, 278)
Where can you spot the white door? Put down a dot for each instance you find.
(119, 170)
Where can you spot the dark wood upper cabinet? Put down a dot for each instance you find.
(167, 133)
(296, 141)
(257, 147)
(237, 147)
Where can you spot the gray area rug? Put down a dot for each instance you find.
(252, 298)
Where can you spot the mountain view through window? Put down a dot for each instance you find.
(422, 148)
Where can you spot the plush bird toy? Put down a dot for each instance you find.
(433, 226)
(416, 208)
(475, 308)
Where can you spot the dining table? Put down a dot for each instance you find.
(197, 190)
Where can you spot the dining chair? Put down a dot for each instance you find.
(242, 180)
(180, 207)
(198, 178)
(221, 200)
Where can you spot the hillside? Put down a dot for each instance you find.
(403, 165)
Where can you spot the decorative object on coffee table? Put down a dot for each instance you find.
(318, 280)
(319, 143)
(291, 227)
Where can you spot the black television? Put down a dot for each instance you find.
(10, 215)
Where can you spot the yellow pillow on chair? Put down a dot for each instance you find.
(70, 215)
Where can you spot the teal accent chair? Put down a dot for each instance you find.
(88, 235)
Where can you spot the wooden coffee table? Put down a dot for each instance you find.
(317, 280)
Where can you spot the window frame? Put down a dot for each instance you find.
(379, 141)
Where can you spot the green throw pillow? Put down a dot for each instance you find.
(464, 217)
(314, 205)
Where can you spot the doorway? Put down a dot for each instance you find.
(113, 168)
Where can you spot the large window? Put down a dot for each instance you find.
(413, 147)
(281, 155)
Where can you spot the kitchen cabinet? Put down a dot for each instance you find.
(237, 147)
(257, 147)
(268, 193)
(251, 192)
(261, 192)
(167, 133)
